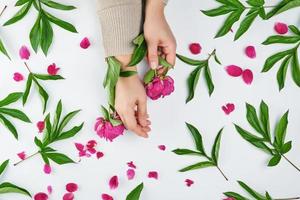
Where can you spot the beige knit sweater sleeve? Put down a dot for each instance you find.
(121, 21)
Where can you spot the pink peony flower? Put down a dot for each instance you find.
(162, 147)
(24, 53)
(130, 174)
(131, 165)
(168, 83)
(106, 197)
(99, 154)
(189, 182)
(228, 108)
(41, 126)
(113, 182)
(52, 69)
(41, 196)
(71, 187)
(234, 70)
(68, 196)
(154, 89)
(250, 51)
(47, 169)
(281, 28)
(153, 174)
(22, 155)
(18, 77)
(106, 130)
(247, 76)
(195, 48)
(85, 43)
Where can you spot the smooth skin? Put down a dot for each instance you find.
(131, 98)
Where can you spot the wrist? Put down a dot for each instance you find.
(124, 60)
(154, 8)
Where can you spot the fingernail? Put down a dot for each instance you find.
(153, 65)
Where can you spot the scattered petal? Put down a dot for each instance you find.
(131, 165)
(281, 28)
(71, 187)
(113, 182)
(41, 196)
(52, 69)
(162, 147)
(41, 126)
(229, 198)
(18, 77)
(106, 197)
(92, 150)
(130, 174)
(99, 154)
(79, 146)
(91, 144)
(68, 196)
(153, 174)
(247, 76)
(49, 189)
(85, 43)
(47, 169)
(234, 70)
(195, 48)
(250, 51)
(22, 155)
(189, 182)
(24, 53)
(228, 108)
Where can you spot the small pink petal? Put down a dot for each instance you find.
(189, 182)
(228, 108)
(229, 198)
(49, 189)
(41, 196)
(22, 155)
(85, 43)
(82, 153)
(52, 69)
(195, 48)
(130, 174)
(24, 53)
(131, 165)
(162, 147)
(91, 144)
(18, 77)
(40, 125)
(47, 169)
(106, 197)
(68, 196)
(79, 146)
(281, 28)
(153, 174)
(250, 51)
(234, 70)
(113, 182)
(247, 76)
(92, 150)
(99, 154)
(71, 187)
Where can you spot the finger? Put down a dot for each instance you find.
(132, 124)
(170, 52)
(142, 112)
(152, 55)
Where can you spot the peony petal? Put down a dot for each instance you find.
(24, 53)
(91, 144)
(131, 165)
(113, 182)
(41, 196)
(247, 76)
(229, 198)
(228, 108)
(250, 51)
(99, 154)
(22, 155)
(130, 174)
(79, 146)
(153, 174)
(68, 196)
(162, 147)
(18, 77)
(52, 69)
(71, 187)
(85, 43)
(49, 189)
(106, 197)
(195, 48)
(281, 28)
(189, 182)
(234, 70)
(47, 169)
(41, 126)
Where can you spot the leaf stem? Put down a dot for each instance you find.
(211, 54)
(3, 10)
(222, 173)
(17, 163)
(27, 67)
(288, 198)
(248, 7)
(297, 168)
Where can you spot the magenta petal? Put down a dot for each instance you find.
(106, 197)
(99, 154)
(24, 53)
(68, 196)
(40, 125)
(113, 182)
(153, 174)
(18, 77)
(85, 43)
(189, 182)
(47, 169)
(41, 196)
(22, 155)
(281, 28)
(130, 174)
(131, 165)
(247, 76)
(79, 146)
(49, 189)
(195, 48)
(250, 51)
(71, 187)
(162, 147)
(52, 69)
(234, 70)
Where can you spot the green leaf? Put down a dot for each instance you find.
(59, 22)
(21, 2)
(43, 94)
(3, 166)
(105, 112)
(58, 6)
(27, 90)
(114, 67)
(284, 6)
(190, 61)
(217, 59)
(70, 133)
(20, 14)
(281, 74)
(15, 113)
(208, 80)
(149, 76)
(216, 147)
(192, 82)
(232, 18)
(9, 126)
(197, 137)
(47, 35)
(135, 193)
(274, 160)
(268, 196)
(11, 188)
(127, 73)
(11, 98)
(59, 158)
(138, 54)
(46, 77)
(222, 10)
(236, 196)
(57, 116)
(163, 62)
(294, 29)
(246, 23)
(264, 118)
(67, 119)
(272, 60)
(296, 69)
(286, 147)
(251, 191)
(38, 142)
(3, 50)
(280, 130)
(199, 165)
(186, 152)
(278, 39)
(36, 34)
(253, 120)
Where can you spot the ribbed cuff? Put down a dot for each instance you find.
(120, 25)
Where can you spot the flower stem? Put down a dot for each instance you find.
(27, 67)
(297, 168)
(211, 54)
(26, 158)
(3, 10)
(222, 173)
(288, 198)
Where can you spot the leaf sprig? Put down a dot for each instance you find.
(255, 8)
(11, 112)
(2, 47)
(289, 57)
(211, 161)
(275, 147)
(33, 78)
(254, 194)
(54, 132)
(193, 78)
(8, 187)
(136, 192)
(41, 34)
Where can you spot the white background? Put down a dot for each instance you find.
(84, 71)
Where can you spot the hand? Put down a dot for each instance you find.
(159, 37)
(131, 101)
